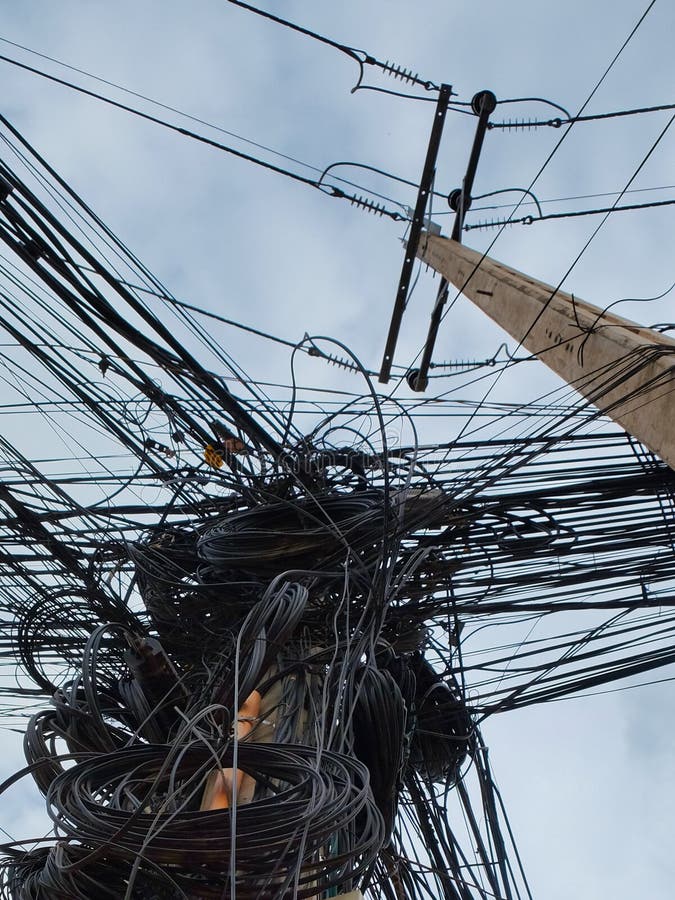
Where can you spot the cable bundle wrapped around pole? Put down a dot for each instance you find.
(258, 662)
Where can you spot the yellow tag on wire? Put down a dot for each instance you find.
(213, 457)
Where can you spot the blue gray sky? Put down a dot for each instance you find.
(588, 782)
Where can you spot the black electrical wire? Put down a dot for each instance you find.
(332, 190)
(568, 120)
(530, 220)
(360, 57)
(378, 595)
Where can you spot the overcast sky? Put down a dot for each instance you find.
(588, 782)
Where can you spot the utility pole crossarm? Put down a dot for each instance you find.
(623, 369)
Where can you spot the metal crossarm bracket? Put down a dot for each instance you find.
(425, 187)
(483, 104)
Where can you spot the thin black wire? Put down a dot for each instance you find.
(330, 190)
(665, 187)
(557, 123)
(192, 117)
(106, 797)
(360, 57)
(531, 220)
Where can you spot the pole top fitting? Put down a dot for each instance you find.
(455, 201)
(416, 380)
(483, 100)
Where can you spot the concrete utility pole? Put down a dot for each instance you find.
(626, 371)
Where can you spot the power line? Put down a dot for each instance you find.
(530, 220)
(663, 187)
(360, 57)
(526, 124)
(190, 116)
(331, 190)
(384, 173)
